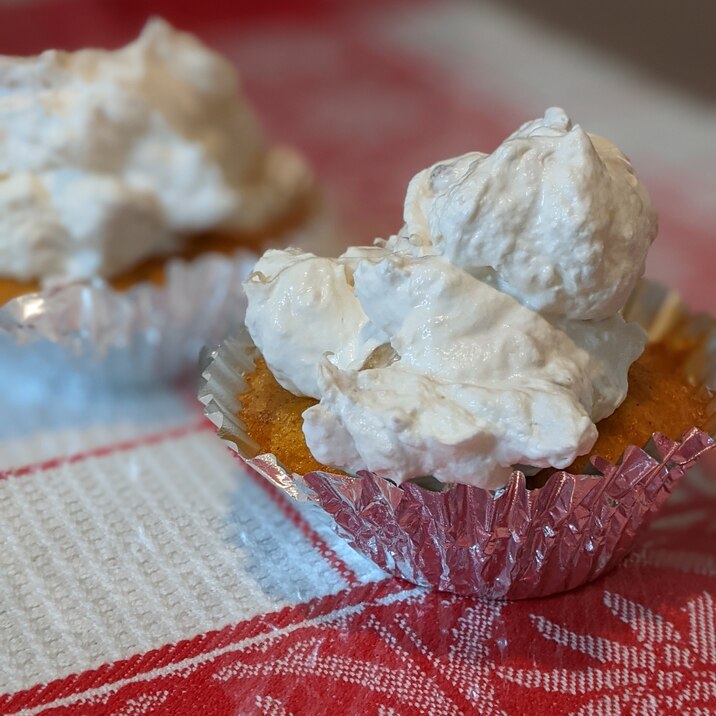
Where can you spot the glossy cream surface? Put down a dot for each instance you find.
(425, 361)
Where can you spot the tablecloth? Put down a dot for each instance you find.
(143, 570)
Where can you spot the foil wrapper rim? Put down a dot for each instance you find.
(147, 333)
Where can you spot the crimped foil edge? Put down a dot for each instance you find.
(511, 543)
(146, 333)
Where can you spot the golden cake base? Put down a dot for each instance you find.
(659, 400)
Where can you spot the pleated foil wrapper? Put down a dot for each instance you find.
(513, 543)
(146, 334)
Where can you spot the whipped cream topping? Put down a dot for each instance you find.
(109, 157)
(554, 216)
(426, 362)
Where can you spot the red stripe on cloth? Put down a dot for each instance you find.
(296, 519)
(105, 450)
(77, 684)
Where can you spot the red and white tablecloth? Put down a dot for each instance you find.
(142, 570)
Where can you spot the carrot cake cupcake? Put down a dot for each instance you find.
(484, 341)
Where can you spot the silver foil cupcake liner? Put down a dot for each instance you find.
(512, 543)
(145, 334)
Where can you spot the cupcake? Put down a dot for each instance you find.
(414, 387)
(116, 167)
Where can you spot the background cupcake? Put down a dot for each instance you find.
(116, 166)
